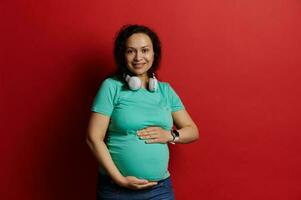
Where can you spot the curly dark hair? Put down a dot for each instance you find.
(120, 46)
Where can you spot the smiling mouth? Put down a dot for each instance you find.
(139, 65)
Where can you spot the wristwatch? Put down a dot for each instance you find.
(175, 134)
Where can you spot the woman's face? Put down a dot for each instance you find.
(139, 53)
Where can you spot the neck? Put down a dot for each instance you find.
(144, 80)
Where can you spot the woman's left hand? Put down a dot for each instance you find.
(155, 134)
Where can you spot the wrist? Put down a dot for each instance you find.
(121, 181)
(175, 136)
(170, 137)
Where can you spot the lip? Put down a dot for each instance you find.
(138, 65)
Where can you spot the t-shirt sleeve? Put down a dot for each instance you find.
(104, 100)
(174, 100)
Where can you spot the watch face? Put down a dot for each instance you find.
(176, 133)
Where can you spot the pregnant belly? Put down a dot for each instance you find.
(133, 157)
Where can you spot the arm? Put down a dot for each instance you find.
(186, 127)
(95, 138)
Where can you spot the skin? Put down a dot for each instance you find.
(139, 58)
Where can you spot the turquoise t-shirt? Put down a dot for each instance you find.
(130, 111)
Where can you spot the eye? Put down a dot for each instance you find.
(145, 50)
(129, 51)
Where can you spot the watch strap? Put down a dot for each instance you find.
(175, 134)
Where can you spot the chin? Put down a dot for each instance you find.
(138, 72)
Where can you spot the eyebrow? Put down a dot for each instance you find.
(141, 47)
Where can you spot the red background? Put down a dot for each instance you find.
(235, 64)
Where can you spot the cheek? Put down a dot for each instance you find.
(128, 58)
(151, 57)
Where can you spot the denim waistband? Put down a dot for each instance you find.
(110, 190)
(106, 178)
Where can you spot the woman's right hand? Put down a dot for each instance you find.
(131, 182)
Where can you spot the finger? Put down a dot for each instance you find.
(150, 137)
(153, 141)
(153, 132)
(139, 181)
(150, 134)
(147, 185)
(142, 132)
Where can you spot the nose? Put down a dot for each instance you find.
(138, 56)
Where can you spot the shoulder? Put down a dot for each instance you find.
(165, 86)
(168, 89)
(112, 82)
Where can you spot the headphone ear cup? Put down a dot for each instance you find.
(153, 84)
(134, 83)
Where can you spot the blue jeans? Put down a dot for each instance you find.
(107, 189)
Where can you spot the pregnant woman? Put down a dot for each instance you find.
(132, 121)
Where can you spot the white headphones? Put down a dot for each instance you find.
(134, 82)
